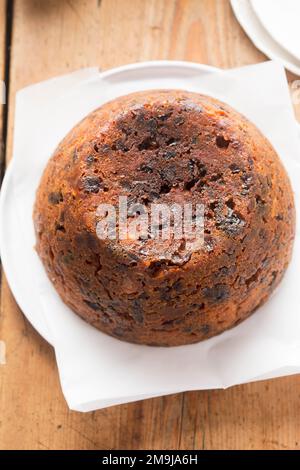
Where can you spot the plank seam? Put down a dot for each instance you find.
(7, 60)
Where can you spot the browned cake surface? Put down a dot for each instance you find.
(165, 146)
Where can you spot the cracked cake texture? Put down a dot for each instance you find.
(165, 146)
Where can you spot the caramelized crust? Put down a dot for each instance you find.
(165, 146)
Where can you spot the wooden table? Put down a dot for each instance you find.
(43, 38)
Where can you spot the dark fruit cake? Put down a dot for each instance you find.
(165, 147)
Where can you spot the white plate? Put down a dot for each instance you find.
(253, 27)
(95, 369)
(281, 19)
(10, 232)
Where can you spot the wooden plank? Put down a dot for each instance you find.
(2, 116)
(2, 78)
(55, 37)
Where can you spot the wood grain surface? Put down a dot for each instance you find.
(2, 77)
(57, 36)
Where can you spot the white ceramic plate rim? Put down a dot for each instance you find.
(260, 37)
(276, 31)
(171, 68)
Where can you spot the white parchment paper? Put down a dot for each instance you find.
(96, 370)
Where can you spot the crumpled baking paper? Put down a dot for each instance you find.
(96, 370)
